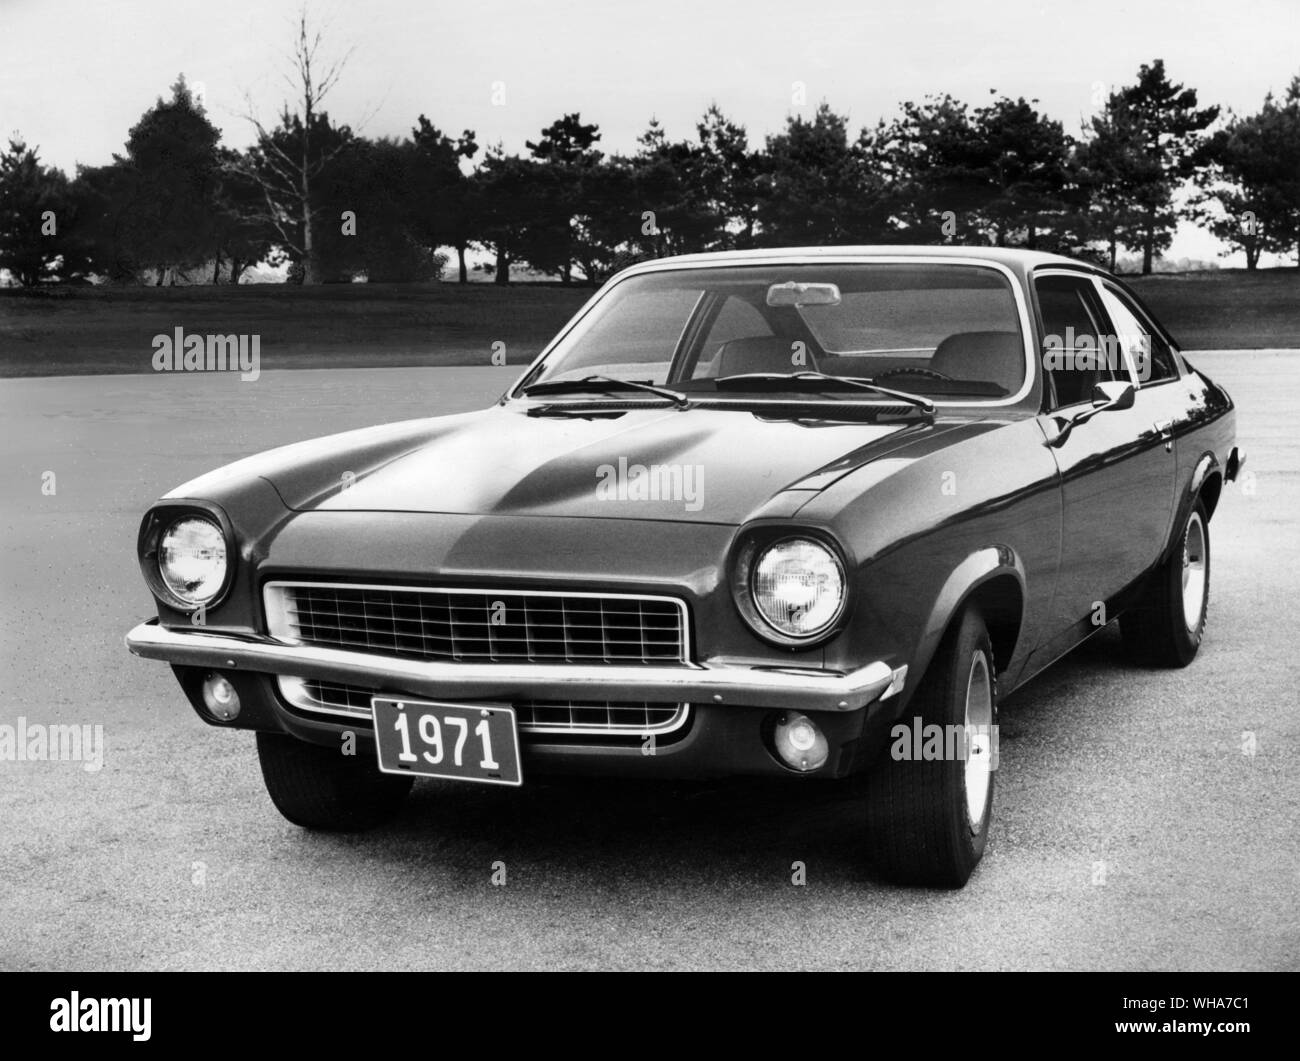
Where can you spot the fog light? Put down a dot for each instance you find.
(799, 742)
(220, 698)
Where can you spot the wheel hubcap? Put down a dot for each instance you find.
(1194, 573)
(979, 739)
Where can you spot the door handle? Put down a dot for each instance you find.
(1164, 429)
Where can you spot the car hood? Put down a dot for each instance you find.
(698, 465)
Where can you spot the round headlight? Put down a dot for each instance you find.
(798, 587)
(192, 560)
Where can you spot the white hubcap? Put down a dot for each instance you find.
(1194, 572)
(979, 739)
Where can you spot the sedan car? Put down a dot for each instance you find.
(806, 513)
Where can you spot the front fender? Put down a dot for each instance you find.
(979, 569)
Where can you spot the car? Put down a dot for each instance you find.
(806, 513)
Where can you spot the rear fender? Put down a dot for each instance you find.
(1207, 479)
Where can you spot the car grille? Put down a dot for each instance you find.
(533, 716)
(496, 626)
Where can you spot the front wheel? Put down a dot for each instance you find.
(321, 788)
(930, 796)
(1166, 627)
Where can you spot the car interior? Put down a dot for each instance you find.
(991, 361)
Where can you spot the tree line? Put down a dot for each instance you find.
(336, 205)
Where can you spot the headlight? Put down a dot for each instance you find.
(192, 560)
(798, 587)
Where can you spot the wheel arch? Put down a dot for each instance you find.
(1206, 485)
(992, 579)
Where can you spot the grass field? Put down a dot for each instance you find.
(1230, 309)
(80, 331)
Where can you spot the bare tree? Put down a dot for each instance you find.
(284, 170)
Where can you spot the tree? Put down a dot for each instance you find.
(922, 161)
(506, 189)
(295, 210)
(108, 220)
(379, 181)
(814, 185)
(567, 159)
(1022, 160)
(1000, 173)
(291, 158)
(1114, 170)
(241, 239)
(444, 207)
(1250, 188)
(173, 170)
(1164, 120)
(670, 208)
(36, 218)
(727, 174)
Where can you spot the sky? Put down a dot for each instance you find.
(76, 74)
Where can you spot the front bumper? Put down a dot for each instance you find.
(800, 689)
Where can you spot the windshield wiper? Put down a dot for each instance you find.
(820, 378)
(606, 383)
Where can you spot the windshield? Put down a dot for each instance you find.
(948, 331)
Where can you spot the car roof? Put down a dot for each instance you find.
(1019, 260)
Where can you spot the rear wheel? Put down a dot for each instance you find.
(320, 788)
(928, 816)
(1166, 626)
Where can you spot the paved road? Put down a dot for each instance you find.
(1132, 830)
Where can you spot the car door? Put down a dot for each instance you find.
(1117, 476)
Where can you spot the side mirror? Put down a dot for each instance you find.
(1112, 394)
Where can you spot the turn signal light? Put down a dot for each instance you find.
(220, 698)
(799, 743)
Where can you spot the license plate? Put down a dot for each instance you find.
(428, 738)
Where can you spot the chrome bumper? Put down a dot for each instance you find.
(801, 689)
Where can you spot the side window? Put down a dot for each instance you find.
(1072, 358)
(737, 319)
(1152, 358)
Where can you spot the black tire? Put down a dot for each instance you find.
(1156, 631)
(919, 827)
(321, 788)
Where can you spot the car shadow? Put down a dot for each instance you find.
(737, 830)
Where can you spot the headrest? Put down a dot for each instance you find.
(997, 357)
(756, 353)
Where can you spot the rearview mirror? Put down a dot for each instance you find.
(793, 294)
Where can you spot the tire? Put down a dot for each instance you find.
(1166, 626)
(928, 820)
(320, 788)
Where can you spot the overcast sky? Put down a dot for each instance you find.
(76, 74)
